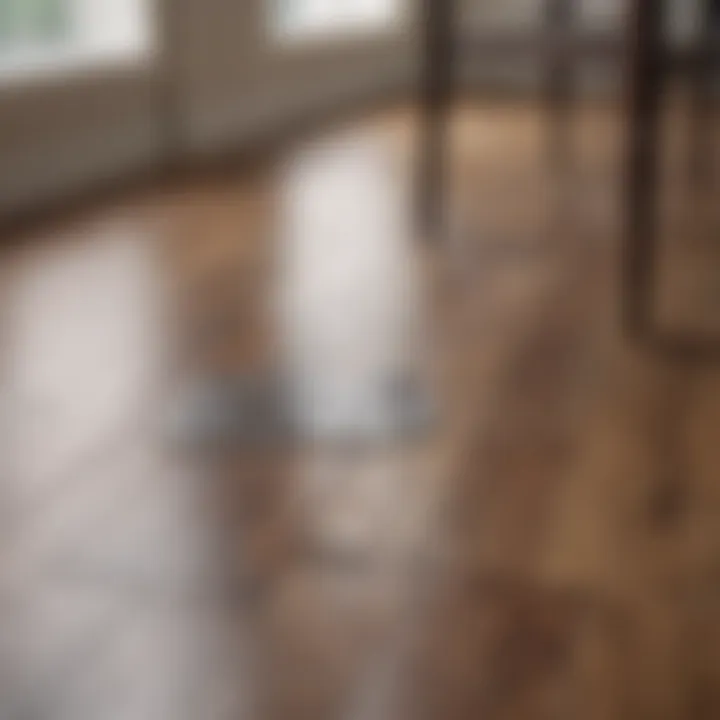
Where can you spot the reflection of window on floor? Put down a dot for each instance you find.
(323, 17)
(48, 33)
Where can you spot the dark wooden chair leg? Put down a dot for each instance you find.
(558, 20)
(640, 245)
(436, 99)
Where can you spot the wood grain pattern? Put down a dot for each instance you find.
(551, 551)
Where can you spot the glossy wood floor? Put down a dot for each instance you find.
(550, 549)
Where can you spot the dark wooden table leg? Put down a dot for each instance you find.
(701, 104)
(559, 16)
(640, 242)
(436, 99)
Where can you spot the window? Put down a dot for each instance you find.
(46, 35)
(31, 22)
(301, 18)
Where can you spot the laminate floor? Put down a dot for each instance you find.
(549, 547)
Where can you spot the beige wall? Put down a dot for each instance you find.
(221, 83)
(595, 14)
(56, 136)
(235, 82)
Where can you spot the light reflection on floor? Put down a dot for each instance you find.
(144, 582)
(349, 300)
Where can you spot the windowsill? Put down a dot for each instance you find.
(59, 64)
